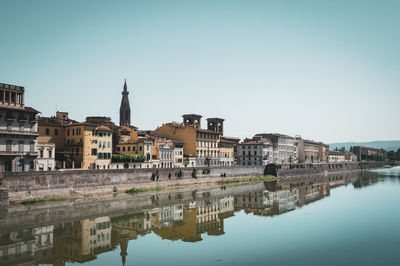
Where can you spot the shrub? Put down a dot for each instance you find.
(206, 171)
(155, 176)
(194, 173)
(128, 158)
(140, 190)
(178, 174)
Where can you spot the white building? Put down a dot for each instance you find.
(284, 147)
(256, 151)
(104, 151)
(46, 156)
(178, 154)
(18, 130)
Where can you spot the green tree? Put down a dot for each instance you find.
(391, 155)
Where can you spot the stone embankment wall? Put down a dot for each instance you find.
(36, 215)
(29, 185)
(295, 172)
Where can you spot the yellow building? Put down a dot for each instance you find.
(128, 134)
(82, 144)
(200, 143)
(141, 146)
(52, 130)
(226, 151)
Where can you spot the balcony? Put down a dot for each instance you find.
(18, 153)
(18, 132)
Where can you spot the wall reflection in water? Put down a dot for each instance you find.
(81, 241)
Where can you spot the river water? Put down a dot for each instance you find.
(340, 220)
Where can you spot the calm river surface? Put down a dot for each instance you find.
(349, 220)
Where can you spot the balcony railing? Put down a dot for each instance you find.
(15, 153)
(18, 132)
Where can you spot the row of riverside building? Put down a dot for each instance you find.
(30, 142)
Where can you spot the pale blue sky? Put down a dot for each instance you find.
(326, 70)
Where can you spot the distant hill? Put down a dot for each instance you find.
(389, 145)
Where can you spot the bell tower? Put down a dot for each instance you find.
(125, 109)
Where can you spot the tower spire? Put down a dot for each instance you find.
(125, 109)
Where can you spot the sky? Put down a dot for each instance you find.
(326, 70)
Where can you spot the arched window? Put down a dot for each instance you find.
(20, 166)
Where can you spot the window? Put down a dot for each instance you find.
(21, 146)
(73, 131)
(21, 127)
(77, 151)
(32, 146)
(50, 153)
(140, 148)
(94, 152)
(123, 148)
(108, 144)
(68, 132)
(41, 154)
(56, 132)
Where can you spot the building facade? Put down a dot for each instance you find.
(46, 156)
(81, 144)
(226, 152)
(18, 130)
(52, 130)
(365, 153)
(284, 147)
(104, 151)
(255, 151)
(309, 151)
(201, 146)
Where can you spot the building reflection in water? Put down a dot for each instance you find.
(81, 241)
(269, 203)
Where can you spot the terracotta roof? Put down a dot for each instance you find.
(54, 121)
(274, 135)
(47, 121)
(207, 131)
(103, 128)
(232, 139)
(30, 109)
(83, 124)
(25, 109)
(256, 142)
(226, 141)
